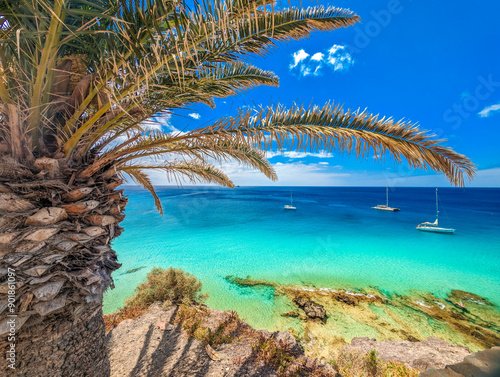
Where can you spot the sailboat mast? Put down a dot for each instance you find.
(437, 208)
(387, 194)
(291, 198)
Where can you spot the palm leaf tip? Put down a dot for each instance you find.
(195, 171)
(142, 179)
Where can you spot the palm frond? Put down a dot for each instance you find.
(165, 64)
(214, 81)
(156, 145)
(194, 171)
(142, 179)
(332, 128)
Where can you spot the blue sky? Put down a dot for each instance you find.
(433, 62)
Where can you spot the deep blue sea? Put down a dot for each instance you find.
(334, 239)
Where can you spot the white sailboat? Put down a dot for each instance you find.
(385, 207)
(290, 206)
(434, 227)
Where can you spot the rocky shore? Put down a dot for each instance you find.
(163, 343)
(325, 317)
(198, 341)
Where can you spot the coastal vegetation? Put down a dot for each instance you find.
(81, 82)
(281, 352)
(170, 286)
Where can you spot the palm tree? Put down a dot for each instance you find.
(81, 82)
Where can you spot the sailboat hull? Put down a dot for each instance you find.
(290, 207)
(385, 208)
(436, 229)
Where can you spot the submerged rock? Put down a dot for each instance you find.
(312, 309)
(457, 295)
(293, 314)
(248, 282)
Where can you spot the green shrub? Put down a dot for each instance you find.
(171, 285)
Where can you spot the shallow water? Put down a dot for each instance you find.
(334, 239)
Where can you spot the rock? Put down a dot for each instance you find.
(293, 314)
(77, 194)
(346, 299)
(312, 309)
(47, 216)
(286, 340)
(81, 207)
(481, 364)
(431, 353)
(41, 234)
(165, 326)
(457, 295)
(12, 203)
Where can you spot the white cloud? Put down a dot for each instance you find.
(289, 174)
(324, 163)
(336, 57)
(298, 57)
(486, 112)
(295, 154)
(318, 56)
(339, 59)
(174, 131)
(194, 116)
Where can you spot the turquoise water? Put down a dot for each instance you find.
(334, 239)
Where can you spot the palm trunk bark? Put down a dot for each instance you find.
(56, 263)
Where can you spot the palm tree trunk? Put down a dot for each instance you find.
(60, 345)
(56, 263)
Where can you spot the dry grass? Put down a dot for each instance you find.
(193, 321)
(128, 312)
(286, 359)
(358, 364)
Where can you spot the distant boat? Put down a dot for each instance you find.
(290, 206)
(434, 227)
(385, 207)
